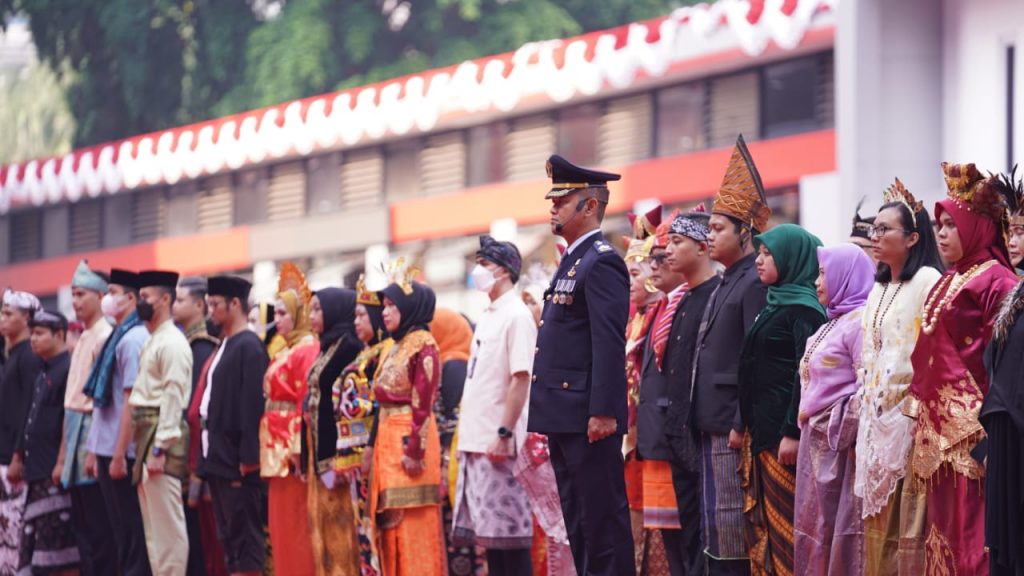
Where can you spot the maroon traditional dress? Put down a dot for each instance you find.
(948, 388)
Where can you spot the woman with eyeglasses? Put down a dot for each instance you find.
(903, 242)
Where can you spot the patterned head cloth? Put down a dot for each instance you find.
(21, 300)
(86, 278)
(741, 195)
(504, 254)
(692, 224)
(861, 225)
(49, 319)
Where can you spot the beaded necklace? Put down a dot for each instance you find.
(805, 362)
(878, 321)
(953, 283)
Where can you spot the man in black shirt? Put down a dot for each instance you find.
(19, 374)
(48, 543)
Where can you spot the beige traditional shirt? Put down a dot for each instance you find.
(89, 346)
(165, 380)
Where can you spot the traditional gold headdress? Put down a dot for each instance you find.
(364, 296)
(971, 190)
(1013, 193)
(899, 193)
(741, 194)
(638, 248)
(402, 274)
(291, 278)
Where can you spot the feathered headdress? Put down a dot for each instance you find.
(1012, 189)
(971, 190)
(899, 193)
(861, 225)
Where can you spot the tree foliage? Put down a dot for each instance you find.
(142, 65)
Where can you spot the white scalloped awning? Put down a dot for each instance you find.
(555, 70)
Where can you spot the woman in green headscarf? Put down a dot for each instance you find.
(769, 390)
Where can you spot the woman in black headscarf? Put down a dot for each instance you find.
(355, 411)
(406, 473)
(333, 530)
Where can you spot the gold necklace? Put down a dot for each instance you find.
(878, 321)
(805, 362)
(933, 307)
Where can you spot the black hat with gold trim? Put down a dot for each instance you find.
(567, 178)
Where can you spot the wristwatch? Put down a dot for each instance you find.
(157, 452)
(504, 432)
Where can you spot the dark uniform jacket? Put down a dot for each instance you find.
(740, 298)
(579, 368)
(44, 427)
(16, 385)
(236, 406)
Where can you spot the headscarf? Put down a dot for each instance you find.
(453, 334)
(849, 277)
(299, 311)
(376, 314)
(795, 252)
(339, 309)
(980, 237)
(416, 308)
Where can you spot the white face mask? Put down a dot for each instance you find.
(112, 305)
(483, 279)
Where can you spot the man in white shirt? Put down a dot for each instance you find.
(491, 509)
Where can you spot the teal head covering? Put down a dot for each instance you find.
(796, 257)
(86, 278)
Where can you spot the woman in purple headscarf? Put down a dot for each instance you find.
(828, 529)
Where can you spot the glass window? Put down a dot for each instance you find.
(680, 119)
(791, 97)
(486, 154)
(402, 170)
(577, 133)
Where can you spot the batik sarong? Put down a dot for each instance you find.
(12, 509)
(491, 509)
(47, 542)
(722, 499)
(768, 499)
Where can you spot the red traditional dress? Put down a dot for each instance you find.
(950, 382)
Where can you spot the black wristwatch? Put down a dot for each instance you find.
(157, 452)
(504, 432)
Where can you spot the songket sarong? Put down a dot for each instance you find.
(768, 505)
(76, 432)
(533, 471)
(47, 543)
(722, 499)
(659, 497)
(955, 532)
(491, 508)
(332, 518)
(287, 498)
(406, 510)
(828, 527)
(12, 508)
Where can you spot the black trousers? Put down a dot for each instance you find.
(683, 546)
(509, 562)
(238, 509)
(196, 563)
(94, 531)
(592, 486)
(121, 500)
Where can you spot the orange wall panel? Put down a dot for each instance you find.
(781, 162)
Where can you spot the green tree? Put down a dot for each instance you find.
(142, 65)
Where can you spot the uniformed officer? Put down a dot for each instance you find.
(578, 394)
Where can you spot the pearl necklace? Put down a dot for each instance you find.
(878, 321)
(949, 290)
(805, 362)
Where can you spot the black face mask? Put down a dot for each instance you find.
(145, 310)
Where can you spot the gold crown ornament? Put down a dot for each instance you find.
(364, 296)
(402, 274)
(973, 191)
(899, 193)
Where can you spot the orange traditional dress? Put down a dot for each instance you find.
(407, 509)
(284, 388)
